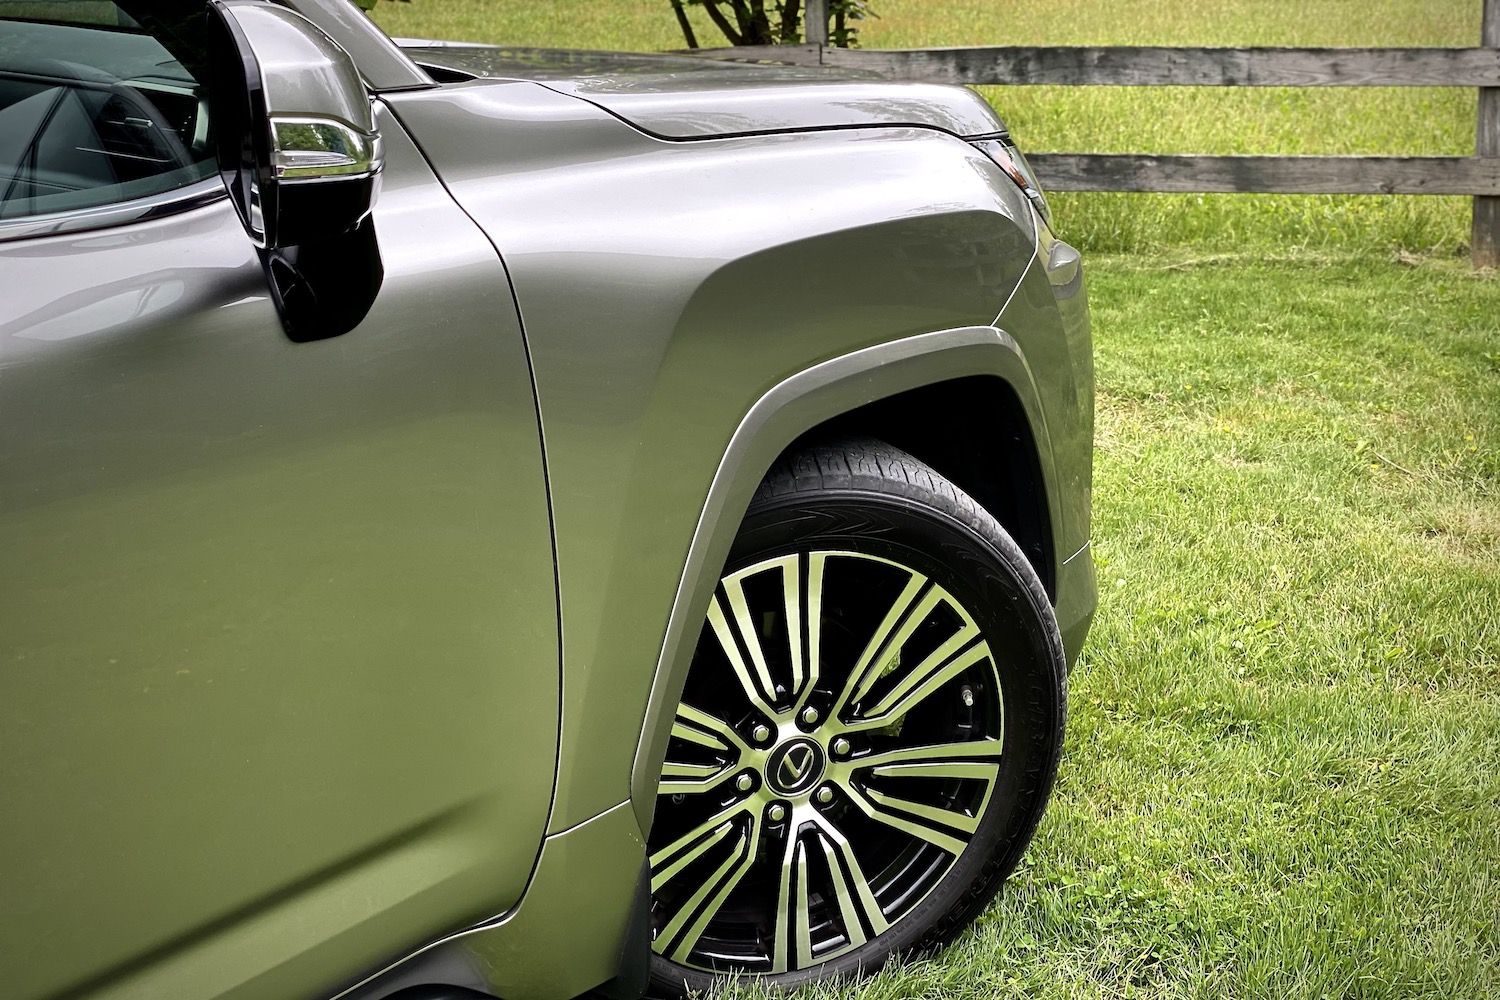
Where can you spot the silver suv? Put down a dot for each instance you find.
(509, 521)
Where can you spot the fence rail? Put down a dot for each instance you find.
(1150, 66)
(1471, 175)
(1138, 66)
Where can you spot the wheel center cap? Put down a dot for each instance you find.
(795, 766)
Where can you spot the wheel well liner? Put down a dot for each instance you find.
(974, 432)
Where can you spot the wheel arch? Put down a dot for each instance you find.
(975, 373)
(974, 431)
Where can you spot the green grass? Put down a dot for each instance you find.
(1349, 120)
(1282, 775)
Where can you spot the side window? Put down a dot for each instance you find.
(100, 102)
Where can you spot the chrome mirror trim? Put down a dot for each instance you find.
(298, 145)
(310, 147)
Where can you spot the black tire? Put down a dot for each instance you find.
(831, 533)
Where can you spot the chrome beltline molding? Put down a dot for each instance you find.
(183, 199)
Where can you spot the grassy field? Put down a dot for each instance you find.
(1282, 777)
(1282, 773)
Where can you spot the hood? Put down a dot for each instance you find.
(685, 97)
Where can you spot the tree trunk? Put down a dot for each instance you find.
(684, 24)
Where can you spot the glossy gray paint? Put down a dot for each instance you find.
(667, 99)
(564, 938)
(509, 62)
(382, 64)
(272, 612)
(664, 287)
(302, 70)
(1051, 305)
(156, 206)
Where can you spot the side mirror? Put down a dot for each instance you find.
(300, 155)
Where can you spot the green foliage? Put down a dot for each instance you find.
(779, 22)
(843, 32)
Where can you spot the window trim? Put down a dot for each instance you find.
(179, 199)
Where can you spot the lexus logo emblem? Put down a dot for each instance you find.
(795, 765)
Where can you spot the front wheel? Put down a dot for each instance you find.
(868, 733)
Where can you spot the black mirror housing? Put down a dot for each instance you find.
(297, 144)
(301, 157)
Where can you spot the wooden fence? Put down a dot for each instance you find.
(1477, 175)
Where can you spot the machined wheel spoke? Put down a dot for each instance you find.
(671, 859)
(787, 877)
(791, 611)
(876, 809)
(757, 687)
(939, 769)
(792, 928)
(962, 822)
(681, 771)
(678, 778)
(952, 658)
(698, 727)
(858, 908)
(899, 622)
(805, 664)
(739, 605)
(702, 905)
(977, 759)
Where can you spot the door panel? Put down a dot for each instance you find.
(278, 633)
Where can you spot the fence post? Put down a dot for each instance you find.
(816, 20)
(1484, 240)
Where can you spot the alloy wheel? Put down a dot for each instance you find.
(838, 743)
